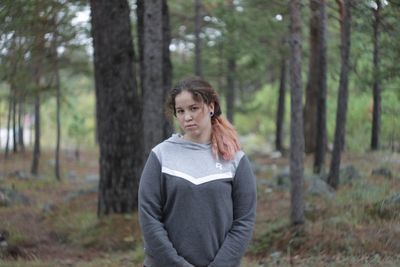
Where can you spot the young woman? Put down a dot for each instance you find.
(197, 193)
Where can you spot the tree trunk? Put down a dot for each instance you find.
(341, 111)
(58, 138)
(321, 142)
(58, 117)
(117, 107)
(36, 145)
(280, 114)
(8, 124)
(230, 88)
(310, 108)
(21, 113)
(39, 48)
(197, 40)
(296, 125)
(152, 84)
(140, 33)
(167, 67)
(14, 121)
(376, 115)
(168, 127)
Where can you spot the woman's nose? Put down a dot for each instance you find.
(188, 116)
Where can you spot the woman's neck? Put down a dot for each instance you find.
(205, 138)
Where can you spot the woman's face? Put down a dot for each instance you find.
(193, 117)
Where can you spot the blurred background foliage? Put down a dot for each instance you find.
(254, 32)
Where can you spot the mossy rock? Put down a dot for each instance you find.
(388, 208)
(348, 174)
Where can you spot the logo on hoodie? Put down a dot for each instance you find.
(218, 165)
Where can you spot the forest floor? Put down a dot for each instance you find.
(54, 223)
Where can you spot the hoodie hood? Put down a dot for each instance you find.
(178, 139)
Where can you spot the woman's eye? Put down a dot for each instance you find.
(179, 111)
(194, 108)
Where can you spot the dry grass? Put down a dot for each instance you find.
(343, 231)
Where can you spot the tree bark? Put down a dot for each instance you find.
(118, 107)
(167, 68)
(152, 83)
(140, 33)
(168, 127)
(21, 113)
(14, 121)
(58, 117)
(7, 150)
(341, 111)
(39, 48)
(310, 108)
(280, 114)
(36, 145)
(296, 125)
(230, 88)
(197, 43)
(321, 142)
(376, 115)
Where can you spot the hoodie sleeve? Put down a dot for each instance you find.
(157, 244)
(244, 197)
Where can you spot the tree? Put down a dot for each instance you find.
(280, 114)
(341, 111)
(38, 49)
(58, 106)
(117, 107)
(319, 156)
(153, 88)
(140, 34)
(296, 124)
(310, 108)
(14, 119)
(8, 125)
(197, 30)
(231, 59)
(36, 144)
(230, 88)
(21, 111)
(167, 67)
(376, 114)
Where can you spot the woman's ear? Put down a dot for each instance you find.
(211, 107)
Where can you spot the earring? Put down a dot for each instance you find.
(211, 113)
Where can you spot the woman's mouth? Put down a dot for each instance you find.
(190, 126)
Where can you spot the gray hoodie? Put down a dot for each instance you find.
(195, 210)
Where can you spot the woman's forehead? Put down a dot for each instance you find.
(186, 98)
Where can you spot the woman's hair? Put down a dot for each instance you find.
(224, 138)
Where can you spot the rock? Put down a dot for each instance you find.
(71, 175)
(20, 175)
(3, 243)
(389, 208)
(275, 155)
(48, 208)
(321, 188)
(349, 174)
(276, 257)
(259, 168)
(382, 172)
(283, 178)
(4, 200)
(13, 197)
(92, 178)
(71, 196)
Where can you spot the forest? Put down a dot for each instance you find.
(312, 88)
